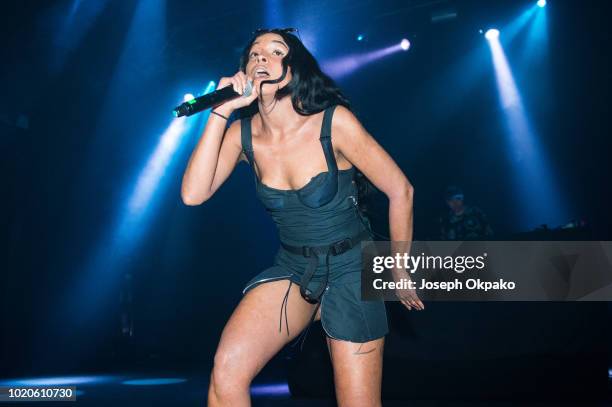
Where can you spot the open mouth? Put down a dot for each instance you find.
(261, 73)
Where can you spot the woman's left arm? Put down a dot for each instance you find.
(354, 142)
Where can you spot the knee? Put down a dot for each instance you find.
(228, 378)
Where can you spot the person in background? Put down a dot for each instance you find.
(462, 222)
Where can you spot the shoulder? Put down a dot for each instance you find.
(476, 211)
(254, 124)
(233, 135)
(343, 118)
(346, 127)
(347, 130)
(234, 132)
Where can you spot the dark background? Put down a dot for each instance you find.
(98, 96)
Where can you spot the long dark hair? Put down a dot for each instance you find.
(311, 90)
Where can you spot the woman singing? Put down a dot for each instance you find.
(304, 146)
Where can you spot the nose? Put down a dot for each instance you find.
(261, 58)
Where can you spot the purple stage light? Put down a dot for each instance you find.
(405, 44)
(275, 389)
(343, 66)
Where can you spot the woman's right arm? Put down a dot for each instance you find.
(218, 151)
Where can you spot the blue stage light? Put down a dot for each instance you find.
(541, 3)
(405, 44)
(360, 37)
(58, 381)
(154, 381)
(539, 200)
(492, 34)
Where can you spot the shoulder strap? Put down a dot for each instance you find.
(246, 138)
(327, 122)
(325, 138)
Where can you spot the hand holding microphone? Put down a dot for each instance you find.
(231, 94)
(243, 86)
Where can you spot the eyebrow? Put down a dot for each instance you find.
(280, 42)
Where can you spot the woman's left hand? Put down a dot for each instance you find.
(410, 299)
(408, 296)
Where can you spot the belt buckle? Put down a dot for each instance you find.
(341, 246)
(306, 251)
(308, 297)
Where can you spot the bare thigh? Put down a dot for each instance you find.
(357, 371)
(251, 336)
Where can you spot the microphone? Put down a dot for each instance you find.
(209, 100)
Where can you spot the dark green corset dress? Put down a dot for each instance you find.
(322, 212)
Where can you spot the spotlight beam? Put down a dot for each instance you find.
(536, 190)
(343, 66)
(117, 249)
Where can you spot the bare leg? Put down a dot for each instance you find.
(357, 372)
(251, 338)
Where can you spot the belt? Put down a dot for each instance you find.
(312, 253)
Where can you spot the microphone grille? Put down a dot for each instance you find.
(248, 89)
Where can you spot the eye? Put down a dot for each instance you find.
(277, 52)
(252, 54)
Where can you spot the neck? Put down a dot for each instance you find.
(278, 117)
